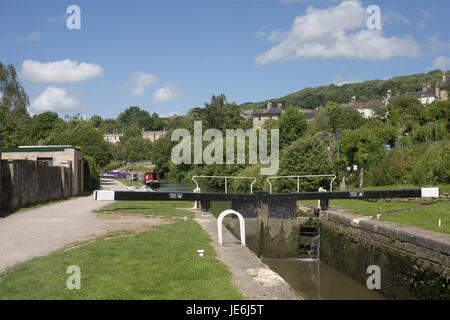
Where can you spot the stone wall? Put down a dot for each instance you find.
(26, 182)
(414, 262)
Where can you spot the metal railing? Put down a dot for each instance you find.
(226, 181)
(304, 176)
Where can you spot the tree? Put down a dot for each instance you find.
(333, 110)
(96, 121)
(213, 112)
(292, 124)
(43, 124)
(85, 136)
(305, 156)
(405, 110)
(349, 119)
(135, 116)
(14, 117)
(363, 148)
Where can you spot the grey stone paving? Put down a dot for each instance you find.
(253, 277)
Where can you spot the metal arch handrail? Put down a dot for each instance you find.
(304, 176)
(226, 178)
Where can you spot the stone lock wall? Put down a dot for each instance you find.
(414, 263)
(271, 224)
(26, 182)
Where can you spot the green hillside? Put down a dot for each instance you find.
(310, 98)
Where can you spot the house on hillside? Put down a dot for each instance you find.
(367, 109)
(260, 116)
(429, 94)
(113, 136)
(153, 135)
(247, 114)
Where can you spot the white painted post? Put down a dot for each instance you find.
(241, 225)
(318, 201)
(197, 203)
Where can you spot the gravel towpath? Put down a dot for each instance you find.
(38, 232)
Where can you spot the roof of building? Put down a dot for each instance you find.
(428, 93)
(268, 112)
(364, 105)
(417, 94)
(39, 148)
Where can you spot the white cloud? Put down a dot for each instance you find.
(32, 37)
(441, 63)
(59, 71)
(53, 99)
(166, 93)
(339, 81)
(337, 32)
(437, 45)
(141, 81)
(274, 36)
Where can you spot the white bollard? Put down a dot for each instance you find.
(201, 253)
(439, 223)
(318, 201)
(196, 203)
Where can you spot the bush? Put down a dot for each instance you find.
(421, 164)
(91, 175)
(306, 156)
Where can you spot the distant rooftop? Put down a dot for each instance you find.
(39, 148)
(50, 146)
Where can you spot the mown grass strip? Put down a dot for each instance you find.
(162, 208)
(156, 264)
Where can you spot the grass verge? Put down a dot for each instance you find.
(131, 183)
(157, 264)
(161, 208)
(426, 218)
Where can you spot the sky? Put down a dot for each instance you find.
(170, 56)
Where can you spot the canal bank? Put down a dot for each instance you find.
(254, 278)
(327, 258)
(413, 262)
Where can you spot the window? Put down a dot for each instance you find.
(48, 160)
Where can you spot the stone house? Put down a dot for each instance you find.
(367, 109)
(260, 116)
(430, 94)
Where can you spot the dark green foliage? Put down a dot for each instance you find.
(14, 117)
(312, 98)
(305, 156)
(292, 126)
(43, 124)
(85, 136)
(91, 175)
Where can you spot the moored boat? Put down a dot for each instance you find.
(151, 179)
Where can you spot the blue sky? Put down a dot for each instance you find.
(170, 56)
